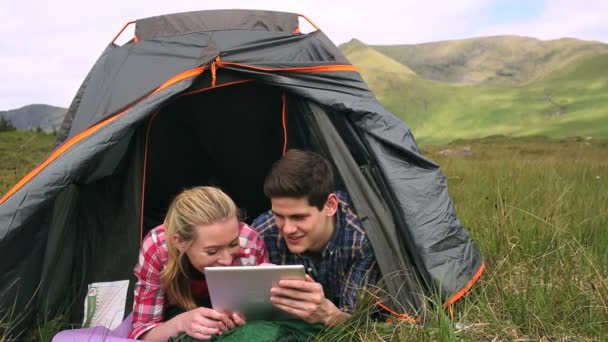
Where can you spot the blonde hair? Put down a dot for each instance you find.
(201, 205)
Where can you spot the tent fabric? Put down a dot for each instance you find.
(204, 106)
(406, 285)
(129, 72)
(215, 20)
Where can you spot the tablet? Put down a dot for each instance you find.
(246, 289)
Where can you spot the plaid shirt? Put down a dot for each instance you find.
(346, 265)
(150, 299)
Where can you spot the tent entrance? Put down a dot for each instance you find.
(227, 137)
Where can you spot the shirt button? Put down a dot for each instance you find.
(309, 270)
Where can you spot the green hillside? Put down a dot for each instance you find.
(563, 101)
(380, 70)
(502, 60)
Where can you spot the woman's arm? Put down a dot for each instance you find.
(200, 323)
(149, 301)
(149, 298)
(253, 249)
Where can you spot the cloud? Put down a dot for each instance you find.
(392, 22)
(49, 46)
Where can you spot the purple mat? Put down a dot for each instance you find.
(97, 334)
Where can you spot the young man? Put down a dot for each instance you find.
(312, 225)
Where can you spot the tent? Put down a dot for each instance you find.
(215, 97)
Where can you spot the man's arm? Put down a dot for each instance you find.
(362, 276)
(306, 300)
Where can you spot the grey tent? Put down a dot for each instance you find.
(215, 97)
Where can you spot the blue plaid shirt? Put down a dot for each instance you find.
(346, 265)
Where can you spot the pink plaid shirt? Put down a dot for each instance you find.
(149, 300)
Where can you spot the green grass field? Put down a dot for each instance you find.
(19, 153)
(537, 208)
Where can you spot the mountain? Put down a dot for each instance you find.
(48, 118)
(478, 87)
(501, 60)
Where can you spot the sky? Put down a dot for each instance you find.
(48, 47)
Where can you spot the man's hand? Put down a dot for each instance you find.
(305, 299)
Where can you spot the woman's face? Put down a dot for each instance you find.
(215, 244)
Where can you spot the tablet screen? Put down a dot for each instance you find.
(246, 289)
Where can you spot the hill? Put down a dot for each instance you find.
(501, 60)
(559, 98)
(379, 66)
(48, 118)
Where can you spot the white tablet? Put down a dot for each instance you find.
(246, 289)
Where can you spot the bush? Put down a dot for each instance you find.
(6, 125)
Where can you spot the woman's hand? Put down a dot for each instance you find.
(238, 319)
(202, 323)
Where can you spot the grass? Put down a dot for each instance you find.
(538, 210)
(45, 326)
(20, 152)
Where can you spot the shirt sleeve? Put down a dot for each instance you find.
(253, 249)
(263, 222)
(149, 298)
(362, 275)
(262, 256)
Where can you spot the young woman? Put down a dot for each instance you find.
(201, 229)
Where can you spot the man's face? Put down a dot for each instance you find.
(304, 227)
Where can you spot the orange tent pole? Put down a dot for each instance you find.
(123, 28)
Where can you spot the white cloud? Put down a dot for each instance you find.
(49, 46)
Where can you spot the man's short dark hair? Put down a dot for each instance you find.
(301, 174)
